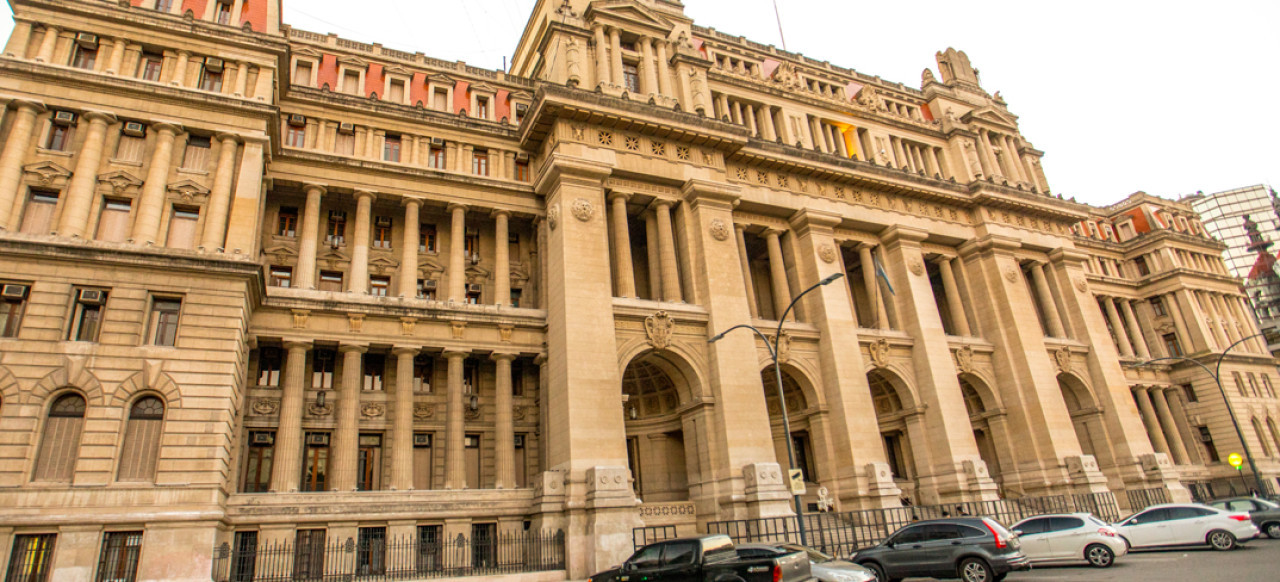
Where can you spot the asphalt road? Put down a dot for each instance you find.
(1256, 561)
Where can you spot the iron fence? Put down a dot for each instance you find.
(643, 536)
(375, 559)
(1102, 505)
(1140, 499)
(1201, 492)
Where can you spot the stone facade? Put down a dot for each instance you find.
(263, 280)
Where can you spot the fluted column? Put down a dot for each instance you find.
(18, 40)
(242, 80)
(180, 70)
(286, 473)
(359, 282)
(146, 226)
(1185, 341)
(984, 155)
(117, 56)
(1225, 317)
(215, 222)
(79, 202)
(502, 256)
(1135, 331)
(15, 150)
(457, 253)
(624, 278)
(1011, 156)
(953, 298)
(409, 249)
(504, 425)
(455, 476)
(648, 75)
(1170, 428)
(47, 44)
(777, 274)
(667, 253)
(309, 241)
(872, 288)
(1179, 412)
(664, 69)
(1117, 327)
(402, 424)
(602, 57)
(346, 435)
(1150, 421)
(746, 270)
(615, 53)
(1047, 302)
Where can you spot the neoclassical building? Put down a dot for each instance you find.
(263, 285)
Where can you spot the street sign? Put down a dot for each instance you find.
(797, 482)
(1235, 460)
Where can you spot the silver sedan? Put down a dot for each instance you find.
(824, 567)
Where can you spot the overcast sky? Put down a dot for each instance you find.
(1168, 96)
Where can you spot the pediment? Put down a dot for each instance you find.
(629, 15)
(308, 52)
(483, 88)
(331, 256)
(46, 170)
(120, 181)
(382, 265)
(991, 115)
(280, 252)
(353, 62)
(187, 188)
(441, 78)
(397, 70)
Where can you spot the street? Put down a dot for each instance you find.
(1255, 561)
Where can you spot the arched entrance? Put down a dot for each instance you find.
(895, 428)
(798, 413)
(661, 461)
(1083, 411)
(978, 419)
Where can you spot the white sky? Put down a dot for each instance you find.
(1168, 97)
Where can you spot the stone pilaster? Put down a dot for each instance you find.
(215, 222)
(244, 235)
(79, 199)
(15, 151)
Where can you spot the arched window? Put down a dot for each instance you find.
(60, 443)
(1275, 434)
(141, 447)
(1262, 438)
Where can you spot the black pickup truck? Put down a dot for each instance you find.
(705, 559)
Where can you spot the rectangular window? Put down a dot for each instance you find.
(440, 100)
(369, 463)
(517, 378)
(396, 93)
(374, 369)
(471, 245)
(330, 281)
(270, 359)
(182, 228)
(86, 315)
(308, 555)
(804, 460)
(371, 552)
(1157, 306)
(1141, 264)
(119, 559)
(436, 159)
(471, 460)
(316, 462)
(59, 138)
(426, 238)
(1171, 344)
(164, 5)
(515, 296)
(480, 163)
(379, 285)
(1189, 392)
(382, 232)
(484, 545)
(302, 73)
(130, 148)
(31, 558)
(345, 144)
(165, 312)
(422, 462)
(337, 228)
(521, 462)
(37, 217)
(482, 107)
(84, 57)
(296, 136)
(427, 289)
(520, 111)
(631, 77)
(470, 377)
(281, 277)
(196, 156)
(423, 367)
(391, 149)
(150, 67)
(244, 561)
(1210, 450)
(322, 369)
(351, 82)
(260, 453)
(11, 308)
(473, 296)
(222, 13)
(211, 80)
(522, 171)
(287, 222)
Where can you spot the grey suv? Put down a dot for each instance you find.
(973, 549)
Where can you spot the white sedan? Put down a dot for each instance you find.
(1069, 538)
(1186, 524)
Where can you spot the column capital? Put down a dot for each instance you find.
(496, 212)
(503, 356)
(941, 259)
(660, 202)
(615, 194)
(866, 246)
(348, 348)
(408, 201)
(182, 52)
(33, 106)
(457, 206)
(296, 344)
(98, 116)
(773, 232)
(225, 136)
(170, 127)
(313, 187)
(456, 353)
(363, 193)
(406, 350)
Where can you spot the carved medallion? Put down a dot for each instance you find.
(1011, 274)
(423, 411)
(504, 332)
(300, 318)
(266, 406)
(317, 409)
(718, 229)
(827, 253)
(518, 412)
(472, 414)
(458, 328)
(658, 327)
(879, 351)
(1081, 284)
(964, 359)
(355, 321)
(372, 410)
(582, 209)
(407, 325)
(553, 216)
(1062, 358)
(916, 266)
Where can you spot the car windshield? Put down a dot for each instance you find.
(814, 555)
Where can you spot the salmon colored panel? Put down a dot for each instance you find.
(135, 2)
(1140, 223)
(255, 13)
(928, 114)
(418, 90)
(461, 96)
(373, 82)
(504, 106)
(328, 73)
(768, 67)
(195, 6)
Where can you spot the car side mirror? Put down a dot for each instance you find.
(628, 566)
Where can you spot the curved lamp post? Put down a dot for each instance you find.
(782, 401)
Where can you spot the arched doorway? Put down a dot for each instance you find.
(1083, 411)
(657, 391)
(894, 420)
(978, 419)
(798, 413)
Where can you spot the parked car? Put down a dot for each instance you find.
(824, 567)
(1069, 538)
(705, 558)
(1265, 514)
(973, 549)
(1186, 524)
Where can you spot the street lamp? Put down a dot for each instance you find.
(782, 400)
(1215, 374)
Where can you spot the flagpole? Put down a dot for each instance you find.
(779, 17)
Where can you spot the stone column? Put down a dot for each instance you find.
(1117, 327)
(286, 473)
(504, 425)
(18, 40)
(346, 435)
(309, 241)
(624, 282)
(1135, 331)
(1167, 422)
(1179, 412)
(777, 273)
(244, 231)
(749, 116)
(455, 475)
(47, 44)
(79, 200)
(180, 69)
(984, 155)
(615, 63)
(1212, 319)
(146, 225)
(935, 167)
(648, 76)
(215, 221)
(1225, 318)
(815, 130)
(1047, 303)
(1195, 321)
(602, 57)
(655, 262)
(15, 151)
(117, 56)
(1150, 421)
(664, 69)
(667, 252)
(457, 256)
(242, 80)
(1184, 335)
(745, 262)
(1011, 155)
(1248, 325)
(899, 154)
(402, 423)
(872, 286)
(502, 256)
(409, 249)
(953, 298)
(359, 282)
(765, 123)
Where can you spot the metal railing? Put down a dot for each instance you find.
(1102, 505)
(1140, 499)
(643, 536)
(1201, 492)
(407, 557)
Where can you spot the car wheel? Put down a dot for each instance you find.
(1099, 555)
(975, 570)
(1221, 540)
(878, 570)
(1273, 530)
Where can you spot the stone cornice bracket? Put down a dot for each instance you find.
(697, 192)
(566, 169)
(991, 242)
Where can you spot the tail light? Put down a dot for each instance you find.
(1000, 543)
(1239, 517)
(1106, 531)
(777, 573)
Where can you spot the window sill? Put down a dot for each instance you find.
(125, 163)
(193, 172)
(49, 152)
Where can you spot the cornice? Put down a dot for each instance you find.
(169, 23)
(332, 101)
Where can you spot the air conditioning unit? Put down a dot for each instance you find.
(519, 442)
(264, 438)
(429, 285)
(473, 288)
(383, 221)
(135, 129)
(421, 440)
(347, 128)
(14, 292)
(522, 157)
(298, 120)
(213, 64)
(93, 296)
(437, 141)
(340, 215)
(87, 40)
(64, 117)
(318, 440)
